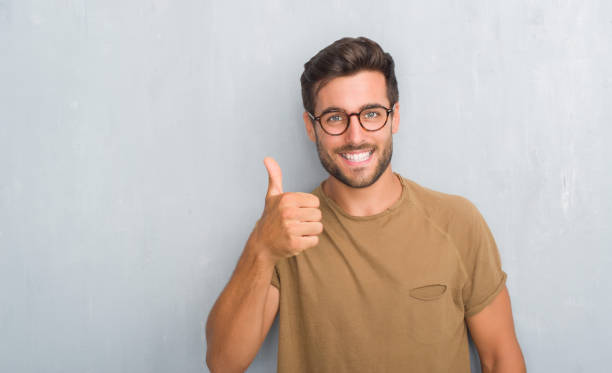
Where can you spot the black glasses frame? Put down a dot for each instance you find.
(348, 122)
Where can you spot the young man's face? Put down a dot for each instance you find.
(351, 93)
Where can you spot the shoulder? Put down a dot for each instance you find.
(443, 208)
(453, 214)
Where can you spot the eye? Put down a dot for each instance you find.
(334, 118)
(371, 114)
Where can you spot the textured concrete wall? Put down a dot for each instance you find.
(132, 135)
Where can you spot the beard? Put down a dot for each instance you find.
(362, 181)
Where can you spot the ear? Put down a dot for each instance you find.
(309, 127)
(396, 118)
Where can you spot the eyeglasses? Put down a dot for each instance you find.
(335, 122)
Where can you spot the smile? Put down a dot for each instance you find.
(357, 157)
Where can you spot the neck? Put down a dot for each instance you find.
(371, 200)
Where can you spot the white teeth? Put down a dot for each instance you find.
(359, 157)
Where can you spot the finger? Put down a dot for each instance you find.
(309, 228)
(305, 242)
(275, 177)
(302, 199)
(305, 214)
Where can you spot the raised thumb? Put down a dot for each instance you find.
(275, 177)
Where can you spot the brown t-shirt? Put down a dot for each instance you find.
(388, 292)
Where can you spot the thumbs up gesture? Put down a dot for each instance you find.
(290, 223)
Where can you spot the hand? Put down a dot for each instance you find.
(290, 223)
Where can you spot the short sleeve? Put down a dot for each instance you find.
(486, 279)
(275, 277)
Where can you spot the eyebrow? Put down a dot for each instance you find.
(335, 108)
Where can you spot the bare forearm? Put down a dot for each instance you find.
(289, 224)
(509, 363)
(233, 329)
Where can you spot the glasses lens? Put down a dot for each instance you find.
(334, 122)
(373, 118)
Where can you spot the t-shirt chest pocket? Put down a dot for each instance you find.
(432, 316)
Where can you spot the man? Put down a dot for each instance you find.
(371, 272)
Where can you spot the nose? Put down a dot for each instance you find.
(354, 132)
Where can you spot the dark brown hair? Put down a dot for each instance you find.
(345, 57)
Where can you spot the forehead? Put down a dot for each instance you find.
(351, 92)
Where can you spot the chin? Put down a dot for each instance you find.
(359, 181)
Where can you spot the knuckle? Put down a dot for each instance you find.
(286, 224)
(284, 199)
(316, 201)
(293, 242)
(291, 229)
(286, 213)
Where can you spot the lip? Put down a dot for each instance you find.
(362, 163)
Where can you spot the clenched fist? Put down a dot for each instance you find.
(290, 223)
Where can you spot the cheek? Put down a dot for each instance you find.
(324, 143)
(327, 147)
